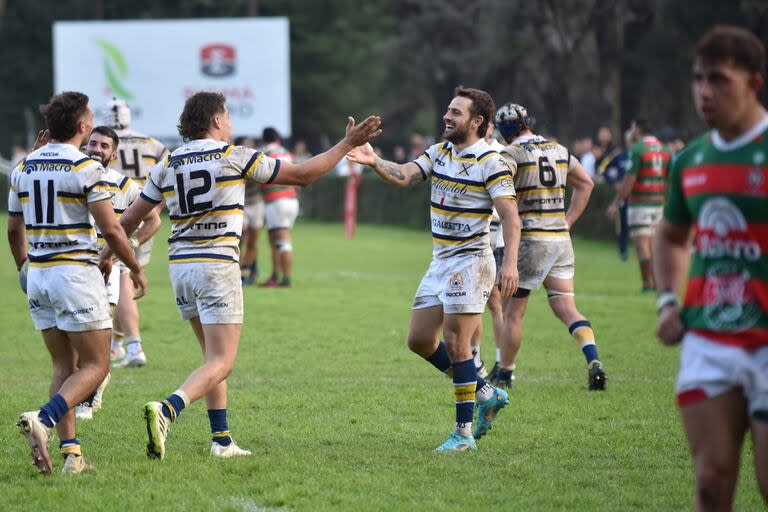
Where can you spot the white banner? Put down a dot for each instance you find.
(156, 65)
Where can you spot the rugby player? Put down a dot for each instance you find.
(136, 156)
(203, 185)
(281, 207)
(541, 169)
(715, 230)
(102, 147)
(253, 222)
(54, 192)
(643, 189)
(468, 179)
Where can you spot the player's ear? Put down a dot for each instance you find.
(756, 82)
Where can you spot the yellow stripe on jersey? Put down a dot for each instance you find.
(24, 199)
(456, 185)
(70, 199)
(497, 180)
(247, 172)
(169, 193)
(542, 214)
(73, 231)
(513, 198)
(540, 191)
(452, 242)
(448, 213)
(233, 239)
(467, 160)
(83, 165)
(54, 263)
(230, 211)
(228, 151)
(545, 233)
(229, 183)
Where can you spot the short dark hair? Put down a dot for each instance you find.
(482, 105)
(63, 113)
(108, 132)
(269, 135)
(642, 124)
(725, 42)
(199, 111)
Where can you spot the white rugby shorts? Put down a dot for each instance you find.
(642, 220)
(537, 260)
(709, 369)
(461, 284)
(143, 252)
(281, 213)
(113, 285)
(69, 297)
(212, 291)
(253, 213)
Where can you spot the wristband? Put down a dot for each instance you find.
(666, 298)
(134, 243)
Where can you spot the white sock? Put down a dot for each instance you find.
(464, 429)
(498, 355)
(133, 344)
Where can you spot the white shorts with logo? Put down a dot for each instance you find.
(113, 285)
(461, 284)
(538, 259)
(69, 297)
(212, 291)
(709, 369)
(281, 213)
(642, 220)
(253, 213)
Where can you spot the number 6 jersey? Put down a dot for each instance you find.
(203, 184)
(51, 189)
(539, 167)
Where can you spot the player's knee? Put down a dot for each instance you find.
(283, 245)
(712, 481)
(420, 345)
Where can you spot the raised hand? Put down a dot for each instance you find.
(359, 134)
(43, 137)
(363, 155)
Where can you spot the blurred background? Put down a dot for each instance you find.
(583, 68)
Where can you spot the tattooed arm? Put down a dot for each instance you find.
(401, 175)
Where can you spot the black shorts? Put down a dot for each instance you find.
(498, 255)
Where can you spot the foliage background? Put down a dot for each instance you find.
(576, 64)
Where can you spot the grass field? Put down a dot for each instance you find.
(341, 416)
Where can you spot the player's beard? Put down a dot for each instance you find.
(104, 159)
(457, 135)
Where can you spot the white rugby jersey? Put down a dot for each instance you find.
(124, 192)
(540, 167)
(51, 189)
(203, 184)
(137, 154)
(463, 189)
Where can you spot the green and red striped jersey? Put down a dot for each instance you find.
(649, 161)
(721, 188)
(275, 192)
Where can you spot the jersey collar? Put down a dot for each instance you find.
(742, 140)
(473, 150)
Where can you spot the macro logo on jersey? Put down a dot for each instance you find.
(115, 69)
(217, 60)
(723, 234)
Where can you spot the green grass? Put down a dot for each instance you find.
(341, 416)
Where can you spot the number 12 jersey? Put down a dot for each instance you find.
(203, 185)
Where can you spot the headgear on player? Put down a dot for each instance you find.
(117, 114)
(511, 119)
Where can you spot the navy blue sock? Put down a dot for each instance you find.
(172, 406)
(51, 413)
(590, 352)
(464, 384)
(440, 359)
(219, 426)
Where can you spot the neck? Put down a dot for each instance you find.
(471, 139)
(743, 125)
(72, 142)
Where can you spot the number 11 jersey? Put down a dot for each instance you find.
(203, 184)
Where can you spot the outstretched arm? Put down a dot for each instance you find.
(582, 188)
(401, 175)
(309, 171)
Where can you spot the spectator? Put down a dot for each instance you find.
(418, 145)
(398, 154)
(300, 153)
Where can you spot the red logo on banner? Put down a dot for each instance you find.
(217, 60)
